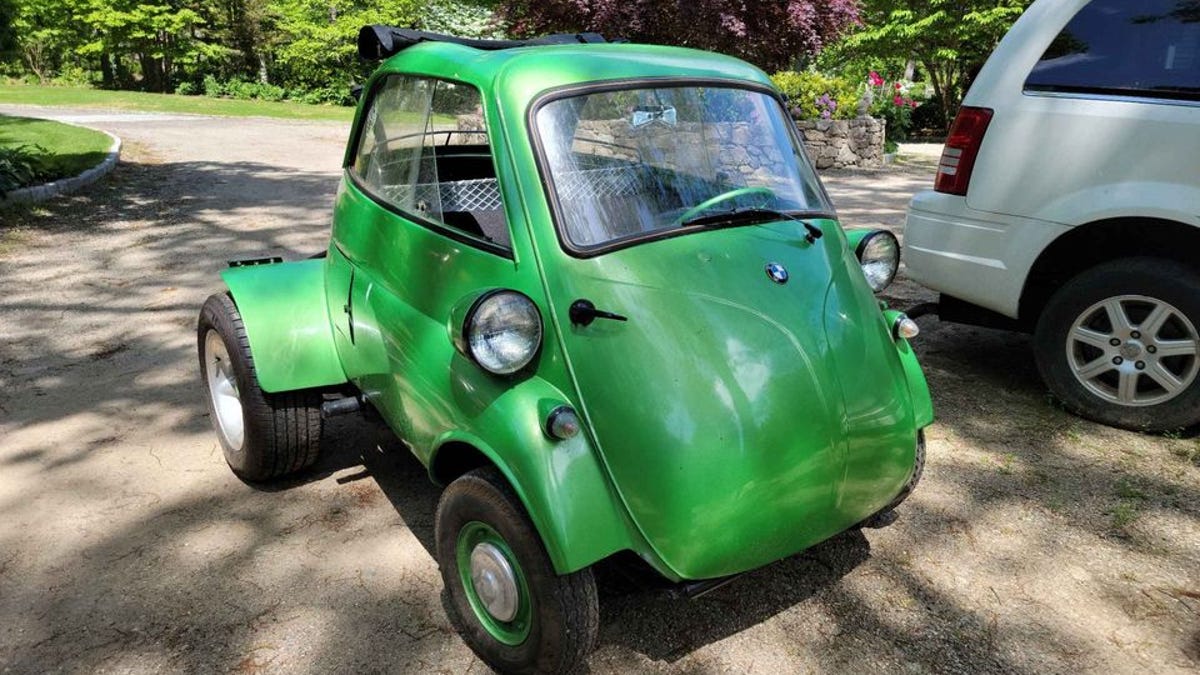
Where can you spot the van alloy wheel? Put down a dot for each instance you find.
(1134, 350)
(1119, 344)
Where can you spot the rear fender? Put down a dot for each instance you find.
(286, 317)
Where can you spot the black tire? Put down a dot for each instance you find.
(281, 432)
(564, 612)
(1159, 281)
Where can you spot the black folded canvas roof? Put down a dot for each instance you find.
(380, 42)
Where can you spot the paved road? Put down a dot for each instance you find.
(126, 545)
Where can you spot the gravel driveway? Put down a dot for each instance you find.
(1037, 543)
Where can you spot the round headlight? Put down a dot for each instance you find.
(504, 331)
(879, 255)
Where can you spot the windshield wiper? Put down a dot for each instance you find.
(753, 215)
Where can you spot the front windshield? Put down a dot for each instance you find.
(644, 162)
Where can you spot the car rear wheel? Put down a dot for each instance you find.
(262, 435)
(501, 591)
(1119, 344)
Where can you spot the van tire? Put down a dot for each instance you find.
(1138, 285)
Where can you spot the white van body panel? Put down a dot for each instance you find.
(1049, 162)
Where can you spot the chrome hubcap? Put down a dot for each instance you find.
(1134, 350)
(222, 388)
(494, 581)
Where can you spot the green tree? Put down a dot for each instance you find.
(317, 46)
(41, 35)
(155, 39)
(949, 39)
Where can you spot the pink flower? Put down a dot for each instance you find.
(913, 104)
(897, 86)
(875, 79)
(898, 101)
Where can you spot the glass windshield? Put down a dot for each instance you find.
(637, 162)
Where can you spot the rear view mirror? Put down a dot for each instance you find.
(645, 114)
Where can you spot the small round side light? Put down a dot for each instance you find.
(562, 423)
(905, 328)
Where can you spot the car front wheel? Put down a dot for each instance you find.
(501, 592)
(1119, 344)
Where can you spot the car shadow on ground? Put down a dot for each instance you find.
(640, 610)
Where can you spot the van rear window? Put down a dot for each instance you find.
(1149, 48)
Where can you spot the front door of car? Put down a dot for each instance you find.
(421, 226)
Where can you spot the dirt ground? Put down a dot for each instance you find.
(1037, 542)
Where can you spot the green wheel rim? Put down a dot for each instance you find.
(512, 632)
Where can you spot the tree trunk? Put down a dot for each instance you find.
(107, 80)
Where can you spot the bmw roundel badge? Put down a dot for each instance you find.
(778, 273)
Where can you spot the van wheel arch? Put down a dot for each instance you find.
(1099, 242)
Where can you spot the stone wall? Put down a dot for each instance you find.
(831, 144)
(688, 145)
(844, 144)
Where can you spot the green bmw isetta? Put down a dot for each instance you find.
(601, 293)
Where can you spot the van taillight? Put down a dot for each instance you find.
(958, 159)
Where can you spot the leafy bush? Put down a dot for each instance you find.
(319, 95)
(894, 101)
(186, 89)
(243, 90)
(213, 87)
(21, 166)
(817, 96)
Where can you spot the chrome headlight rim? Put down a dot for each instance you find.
(894, 267)
(468, 324)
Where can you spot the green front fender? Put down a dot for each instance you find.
(286, 317)
(561, 483)
(918, 388)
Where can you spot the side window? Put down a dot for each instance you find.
(1148, 48)
(423, 149)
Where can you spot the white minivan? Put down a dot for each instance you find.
(1067, 204)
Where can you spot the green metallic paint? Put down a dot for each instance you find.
(917, 386)
(717, 474)
(730, 422)
(855, 236)
(287, 322)
(411, 288)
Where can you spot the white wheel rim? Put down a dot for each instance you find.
(1134, 350)
(223, 391)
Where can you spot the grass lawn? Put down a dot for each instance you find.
(135, 100)
(63, 151)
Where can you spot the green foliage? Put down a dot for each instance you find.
(948, 39)
(36, 151)
(805, 92)
(213, 87)
(20, 166)
(245, 49)
(467, 19)
(87, 97)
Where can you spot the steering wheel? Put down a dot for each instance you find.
(724, 197)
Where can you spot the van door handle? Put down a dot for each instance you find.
(583, 313)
